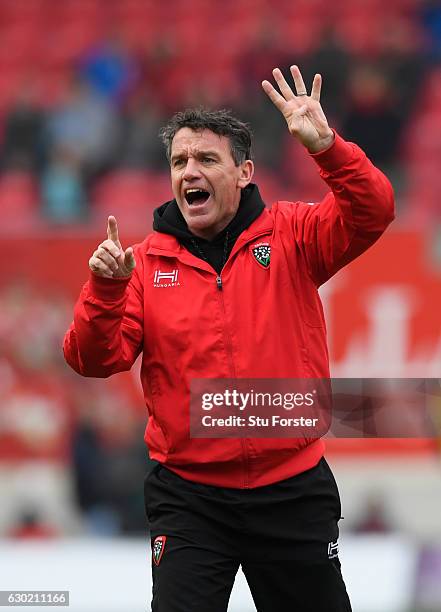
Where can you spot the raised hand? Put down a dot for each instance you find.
(303, 113)
(110, 260)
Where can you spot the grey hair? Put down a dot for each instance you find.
(220, 122)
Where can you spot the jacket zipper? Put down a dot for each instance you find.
(229, 347)
(228, 344)
(220, 286)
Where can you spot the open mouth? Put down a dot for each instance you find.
(196, 196)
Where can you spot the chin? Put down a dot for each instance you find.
(199, 223)
(204, 230)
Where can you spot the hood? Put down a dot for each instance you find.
(168, 219)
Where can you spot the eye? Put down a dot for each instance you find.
(178, 163)
(208, 160)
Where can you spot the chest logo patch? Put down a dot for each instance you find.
(166, 279)
(158, 549)
(262, 253)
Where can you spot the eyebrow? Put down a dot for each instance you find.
(199, 154)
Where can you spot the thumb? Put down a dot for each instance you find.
(129, 259)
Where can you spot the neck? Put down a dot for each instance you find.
(210, 233)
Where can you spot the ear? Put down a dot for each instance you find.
(246, 173)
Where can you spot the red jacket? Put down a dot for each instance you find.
(264, 323)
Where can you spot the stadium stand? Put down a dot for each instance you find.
(137, 61)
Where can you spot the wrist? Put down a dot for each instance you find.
(323, 143)
(107, 289)
(334, 157)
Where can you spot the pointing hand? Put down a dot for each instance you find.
(110, 260)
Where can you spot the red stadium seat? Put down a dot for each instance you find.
(302, 32)
(130, 195)
(421, 141)
(18, 201)
(67, 42)
(9, 88)
(20, 45)
(75, 10)
(21, 11)
(270, 187)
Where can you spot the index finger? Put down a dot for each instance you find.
(112, 229)
(278, 100)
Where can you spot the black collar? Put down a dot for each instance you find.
(168, 219)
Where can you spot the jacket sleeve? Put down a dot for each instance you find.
(106, 334)
(350, 218)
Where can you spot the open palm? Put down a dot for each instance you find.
(303, 114)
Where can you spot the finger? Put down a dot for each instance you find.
(316, 87)
(112, 229)
(286, 90)
(278, 100)
(129, 259)
(298, 81)
(111, 247)
(106, 258)
(99, 268)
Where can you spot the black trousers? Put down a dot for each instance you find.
(284, 535)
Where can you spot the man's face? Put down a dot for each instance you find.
(205, 180)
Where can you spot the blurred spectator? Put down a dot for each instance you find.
(31, 526)
(374, 518)
(36, 412)
(86, 127)
(373, 118)
(258, 58)
(401, 60)
(31, 318)
(90, 480)
(109, 462)
(48, 414)
(23, 141)
(162, 75)
(62, 190)
(141, 147)
(256, 63)
(333, 61)
(430, 12)
(109, 69)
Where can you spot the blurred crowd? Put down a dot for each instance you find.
(87, 433)
(85, 86)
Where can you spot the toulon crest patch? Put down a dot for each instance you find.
(158, 548)
(262, 253)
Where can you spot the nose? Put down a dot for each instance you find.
(191, 170)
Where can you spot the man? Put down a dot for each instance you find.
(271, 505)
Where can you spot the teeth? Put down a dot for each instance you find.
(194, 193)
